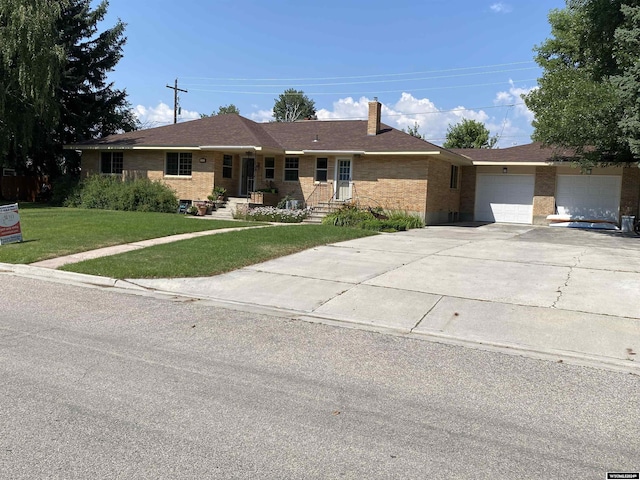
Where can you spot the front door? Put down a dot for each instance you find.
(247, 178)
(343, 179)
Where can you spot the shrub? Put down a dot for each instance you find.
(348, 216)
(411, 221)
(65, 191)
(111, 193)
(351, 216)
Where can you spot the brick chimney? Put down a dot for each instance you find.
(373, 125)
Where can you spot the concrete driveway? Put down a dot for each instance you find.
(545, 291)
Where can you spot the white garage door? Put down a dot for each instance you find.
(504, 198)
(590, 197)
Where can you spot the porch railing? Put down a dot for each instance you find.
(322, 193)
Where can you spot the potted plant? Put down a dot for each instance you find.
(192, 210)
(219, 193)
(202, 208)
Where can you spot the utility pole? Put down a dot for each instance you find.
(175, 99)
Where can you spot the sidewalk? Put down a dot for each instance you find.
(128, 247)
(568, 296)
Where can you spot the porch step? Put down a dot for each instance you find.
(320, 211)
(226, 211)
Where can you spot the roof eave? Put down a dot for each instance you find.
(107, 146)
(485, 163)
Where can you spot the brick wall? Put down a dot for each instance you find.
(467, 194)
(443, 202)
(137, 163)
(630, 193)
(394, 183)
(544, 194)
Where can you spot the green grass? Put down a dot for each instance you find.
(215, 254)
(50, 232)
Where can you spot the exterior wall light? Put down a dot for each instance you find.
(203, 160)
(504, 170)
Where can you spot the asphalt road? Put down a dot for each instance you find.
(99, 384)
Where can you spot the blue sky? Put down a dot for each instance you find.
(433, 61)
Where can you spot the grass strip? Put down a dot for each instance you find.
(50, 232)
(215, 254)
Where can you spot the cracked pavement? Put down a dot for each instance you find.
(537, 290)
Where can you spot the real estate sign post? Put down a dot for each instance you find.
(10, 224)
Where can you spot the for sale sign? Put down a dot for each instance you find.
(10, 224)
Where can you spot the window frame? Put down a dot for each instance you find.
(288, 169)
(111, 163)
(454, 181)
(270, 170)
(227, 166)
(183, 159)
(325, 170)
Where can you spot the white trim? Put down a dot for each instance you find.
(403, 153)
(238, 148)
(514, 164)
(336, 177)
(333, 152)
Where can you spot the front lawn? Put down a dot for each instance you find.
(215, 254)
(50, 232)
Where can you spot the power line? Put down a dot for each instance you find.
(375, 92)
(359, 76)
(367, 82)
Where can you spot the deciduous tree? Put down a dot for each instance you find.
(587, 95)
(469, 134)
(293, 105)
(223, 110)
(80, 103)
(31, 59)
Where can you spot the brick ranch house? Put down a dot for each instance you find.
(313, 161)
(535, 185)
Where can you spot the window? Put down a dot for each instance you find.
(178, 163)
(291, 165)
(227, 166)
(269, 168)
(111, 163)
(321, 169)
(454, 177)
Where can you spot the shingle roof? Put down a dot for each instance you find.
(344, 136)
(227, 130)
(234, 130)
(529, 153)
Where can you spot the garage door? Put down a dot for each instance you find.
(504, 198)
(591, 197)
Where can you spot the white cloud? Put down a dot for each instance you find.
(514, 96)
(501, 8)
(161, 114)
(404, 113)
(512, 125)
(262, 116)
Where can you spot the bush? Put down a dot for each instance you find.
(111, 193)
(65, 191)
(348, 216)
(351, 216)
(272, 214)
